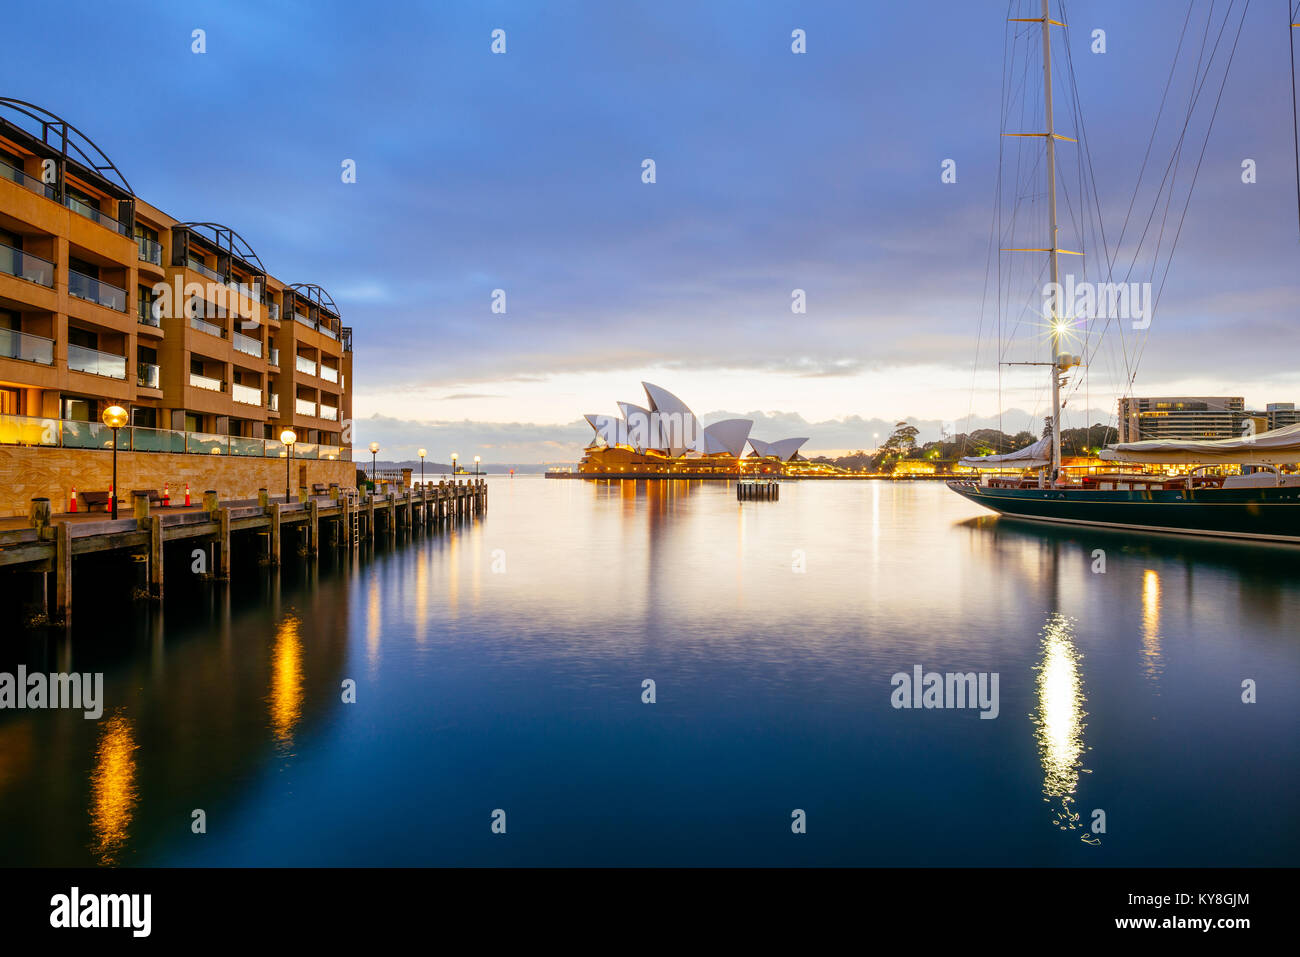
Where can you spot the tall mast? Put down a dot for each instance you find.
(1050, 139)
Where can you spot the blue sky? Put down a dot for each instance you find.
(775, 171)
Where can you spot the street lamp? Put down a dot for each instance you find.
(476, 461)
(288, 438)
(423, 453)
(114, 417)
(374, 452)
(454, 457)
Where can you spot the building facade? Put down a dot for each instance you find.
(1180, 417)
(107, 300)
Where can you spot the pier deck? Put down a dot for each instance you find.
(45, 543)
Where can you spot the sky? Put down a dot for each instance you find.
(522, 171)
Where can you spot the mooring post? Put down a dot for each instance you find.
(392, 515)
(223, 544)
(313, 521)
(274, 556)
(370, 522)
(141, 504)
(38, 517)
(63, 573)
(263, 498)
(155, 557)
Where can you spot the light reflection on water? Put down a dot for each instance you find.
(500, 665)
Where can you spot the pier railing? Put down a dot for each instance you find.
(72, 434)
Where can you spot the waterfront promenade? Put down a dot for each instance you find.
(45, 544)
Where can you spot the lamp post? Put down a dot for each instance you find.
(114, 417)
(476, 461)
(374, 454)
(288, 438)
(454, 456)
(423, 453)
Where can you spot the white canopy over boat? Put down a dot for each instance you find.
(1276, 447)
(1033, 456)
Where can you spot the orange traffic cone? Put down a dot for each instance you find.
(167, 495)
(187, 493)
(72, 500)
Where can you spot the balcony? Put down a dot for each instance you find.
(303, 364)
(150, 251)
(304, 406)
(94, 362)
(28, 182)
(27, 347)
(90, 212)
(205, 382)
(203, 270)
(299, 317)
(273, 311)
(147, 375)
(15, 262)
(246, 344)
(329, 412)
(246, 394)
(92, 290)
(202, 325)
(273, 356)
(273, 402)
(145, 313)
(328, 374)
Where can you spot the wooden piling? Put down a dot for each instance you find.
(63, 573)
(155, 557)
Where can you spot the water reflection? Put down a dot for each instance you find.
(113, 789)
(1151, 659)
(1059, 721)
(285, 698)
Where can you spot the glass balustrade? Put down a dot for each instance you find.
(273, 356)
(326, 412)
(28, 182)
(94, 290)
(328, 374)
(28, 430)
(206, 382)
(305, 365)
(94, 362)
(15, 262)
(148, 375)
(305, 406)
(150, 251)
(203, 270)
(246, 344)
(246, 394)
(25, 346)
(211, 328)
(90, 212)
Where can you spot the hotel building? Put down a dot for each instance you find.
(1197, 417)
(106, 299)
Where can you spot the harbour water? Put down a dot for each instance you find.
(501, 667)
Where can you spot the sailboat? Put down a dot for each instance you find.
(1262, 505)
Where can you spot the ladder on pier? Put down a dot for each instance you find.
(354, 508)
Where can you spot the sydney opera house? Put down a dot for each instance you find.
(665, 438)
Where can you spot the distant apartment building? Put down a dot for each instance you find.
(105, 299)
(1180, 417)
(1197, 417)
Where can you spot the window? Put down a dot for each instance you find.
(144, 417)
(83, 337)
(11, 402)
(191, 422)
(83, 267)
(144, 232)
(78, 410)
(145, 306)
(145, 354)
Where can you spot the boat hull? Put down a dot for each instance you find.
(1263, 514)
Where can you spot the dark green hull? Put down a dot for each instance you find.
(1268, 514)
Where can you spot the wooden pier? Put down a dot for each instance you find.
(46, 543)
(757, 490)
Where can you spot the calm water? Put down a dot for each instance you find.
(501, 667)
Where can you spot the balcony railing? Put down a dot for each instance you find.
(94, 362)
(304, 406)
(273, 310)
(328, 374)
(211, 328)
(305, 365)
(273, 402)
(330, 413)
(246, 394)
(69, 434)
(145, 313)
(299, 317)
(147, 375)
(325, 330)
(94, 290)
(273, 356)
(15, 262)
(150, 251)
(30, 182)
(90, 212)
(206, 382)
(27, 347)
(203, 270)
(246, 344)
